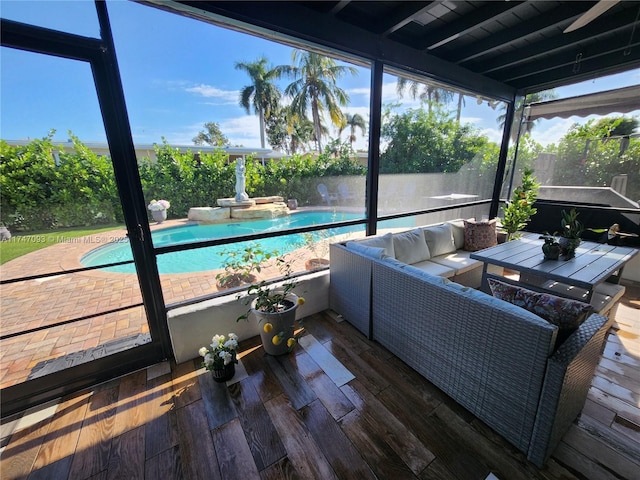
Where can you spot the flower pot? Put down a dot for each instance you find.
(315, 263)
(224, 373)
(159, 215)
(234, 280)
(551, 251)
(568, 246)
(282, 324)
(292, 203)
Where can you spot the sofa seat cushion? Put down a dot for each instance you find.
(460, 261)
(435, 269)
(410, 247)
(440, 239)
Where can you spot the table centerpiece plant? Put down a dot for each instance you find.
(519, 210)
(570, 232)
(220, 357)
(274, 305)
(159, 209)
(551, 248)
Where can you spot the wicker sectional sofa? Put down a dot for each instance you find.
(497, 360)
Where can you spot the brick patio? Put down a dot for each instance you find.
(46, 301)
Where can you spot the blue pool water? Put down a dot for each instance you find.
(211, 258)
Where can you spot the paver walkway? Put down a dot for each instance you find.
(35, 303)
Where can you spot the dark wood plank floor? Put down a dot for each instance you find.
(300, 416)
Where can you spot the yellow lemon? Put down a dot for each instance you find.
(291, 342)
(276, 340)
(300, 300)
(267, 327)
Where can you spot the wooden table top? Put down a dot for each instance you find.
(592, 264)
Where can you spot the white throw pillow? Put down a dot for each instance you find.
(385, 241)
(410, 247)
(440, 239)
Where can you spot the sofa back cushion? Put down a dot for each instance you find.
(439, 239)
(457, 228)
(373, 252)
(384, 241)
(410, 247)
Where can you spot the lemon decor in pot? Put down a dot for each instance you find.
(275, 307)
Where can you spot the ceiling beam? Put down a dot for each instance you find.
(590, 68)
(339, 6)
(405, 13)
(574, 60)
(561, 16)
(466, 24)
(568, 41)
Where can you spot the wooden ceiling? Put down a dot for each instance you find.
(519, 44)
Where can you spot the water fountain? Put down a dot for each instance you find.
(241, 206)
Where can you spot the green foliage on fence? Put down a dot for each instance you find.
(430, 142)
(37, 194)
(588, 155)
(45, 188)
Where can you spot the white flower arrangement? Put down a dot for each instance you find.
(158, 205)
(221, 352)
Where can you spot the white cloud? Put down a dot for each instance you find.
(494, 134)
(208, 91)
(551, 131)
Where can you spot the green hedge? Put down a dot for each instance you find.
(78, 189)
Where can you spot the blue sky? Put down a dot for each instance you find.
(177, 74)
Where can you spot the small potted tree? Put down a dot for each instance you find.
(520, 209)
(240, 266)
(316, 243)
(275, 306)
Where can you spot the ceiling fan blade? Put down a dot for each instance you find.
(591, 14)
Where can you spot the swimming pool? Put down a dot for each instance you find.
(211, 258)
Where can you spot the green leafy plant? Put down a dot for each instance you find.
(270, 297)
(520, 209)
(570, 226)
(240, 266)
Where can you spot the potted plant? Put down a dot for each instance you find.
(220, 357)
(570, 232)
(275, 306)
(316, 243)
(520, 209)
(240, 266)
(159, 209)
(551, 248)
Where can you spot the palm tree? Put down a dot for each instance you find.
(314, 87)
(352, 121)
(262, 94)
(431, 93)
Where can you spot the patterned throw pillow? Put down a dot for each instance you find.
(479, 235)
(567, 314)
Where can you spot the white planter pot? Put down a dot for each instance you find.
(159, 215)
(283, 324)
